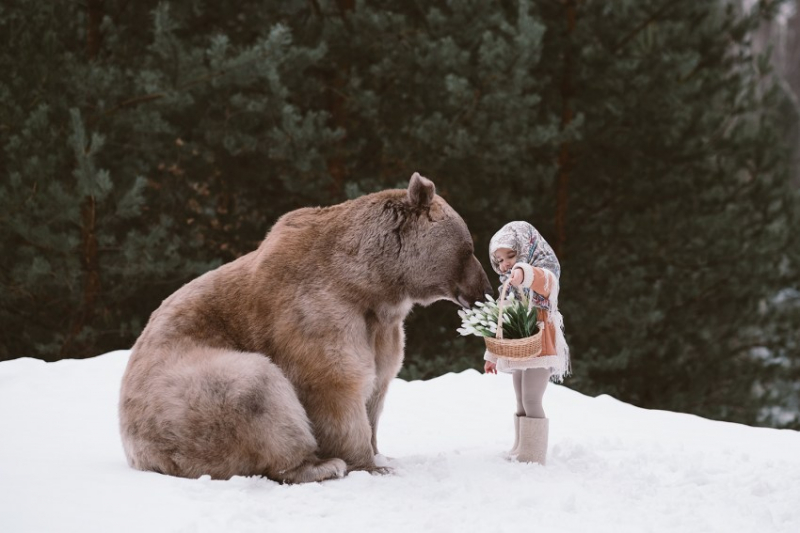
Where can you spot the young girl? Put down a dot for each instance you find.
(519, 253)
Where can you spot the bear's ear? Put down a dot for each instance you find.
(421, 191)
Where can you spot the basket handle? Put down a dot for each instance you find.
(499, 333)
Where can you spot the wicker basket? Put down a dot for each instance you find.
(517, 349)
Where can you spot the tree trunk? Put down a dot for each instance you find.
(337, 166)
(564, 160)
(93, 37)
(90, 262)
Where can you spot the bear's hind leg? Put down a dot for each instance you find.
(222, 413)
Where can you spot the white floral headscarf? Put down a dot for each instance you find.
(530, 248)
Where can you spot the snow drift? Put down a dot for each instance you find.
(611, 467)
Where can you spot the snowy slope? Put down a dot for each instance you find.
(612, 467)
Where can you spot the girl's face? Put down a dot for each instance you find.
(506, 258)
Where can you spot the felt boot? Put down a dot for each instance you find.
(514, 449)
(533, 433)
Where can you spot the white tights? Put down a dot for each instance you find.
(529, 386)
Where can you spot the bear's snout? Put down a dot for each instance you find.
(474, 284)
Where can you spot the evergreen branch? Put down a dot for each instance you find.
(464, 114)
(22, 206)
(641, 26)
(707, 60)
(188, 85)
(659, 330)
(17, 289)
(135, 101)
(37, 246)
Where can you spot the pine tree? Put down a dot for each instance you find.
(680, 222)
(140, 149)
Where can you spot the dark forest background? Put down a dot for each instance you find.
(650, 141)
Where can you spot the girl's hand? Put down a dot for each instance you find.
(489, 367)
(517, 275)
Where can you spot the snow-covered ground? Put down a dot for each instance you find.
(612, 467)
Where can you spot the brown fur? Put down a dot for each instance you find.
(278, 363)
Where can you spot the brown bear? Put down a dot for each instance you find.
(278, 363)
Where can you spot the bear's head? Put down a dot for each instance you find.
(393, 246)
(434, 248)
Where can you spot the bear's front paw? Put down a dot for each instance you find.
(372, 469)
(381, 470)
(315, 470)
